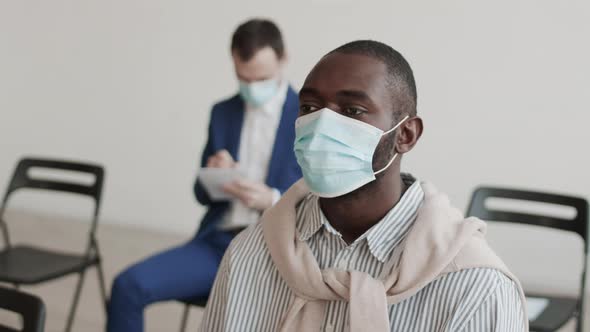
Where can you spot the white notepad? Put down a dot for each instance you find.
(213, 180)
(535, 306)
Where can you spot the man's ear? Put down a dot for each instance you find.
(408, 134)
(284, 59)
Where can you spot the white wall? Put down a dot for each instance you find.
(503, 89)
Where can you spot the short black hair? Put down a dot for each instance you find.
(400, 77)
(255, 34)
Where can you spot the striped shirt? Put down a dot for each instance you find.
(250, 295)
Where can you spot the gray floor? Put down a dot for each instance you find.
(120, 246)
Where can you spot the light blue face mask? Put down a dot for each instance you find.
(335, 152)
(259, 92)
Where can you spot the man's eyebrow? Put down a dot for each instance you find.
(342, 93)
(354, 94)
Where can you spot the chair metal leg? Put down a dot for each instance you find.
(100, 272)
(579, 322)
(184, 321)
(579, 317)
(74, 305)
(103, 289)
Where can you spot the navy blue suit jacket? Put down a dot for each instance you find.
(225, 129)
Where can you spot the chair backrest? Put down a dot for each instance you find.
(578, 224)
(22, 178)
(29, 307)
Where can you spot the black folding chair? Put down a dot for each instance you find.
(559, 309)
(30, 308)
(198, 302)
(27, 264)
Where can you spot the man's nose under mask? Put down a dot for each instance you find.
(335, 152)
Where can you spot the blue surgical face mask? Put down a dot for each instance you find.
(260, 92)
(335, 152)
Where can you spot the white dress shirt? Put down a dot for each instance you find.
(256, 144)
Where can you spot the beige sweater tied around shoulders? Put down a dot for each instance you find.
(440, 241)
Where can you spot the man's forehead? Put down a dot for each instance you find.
(341, 71)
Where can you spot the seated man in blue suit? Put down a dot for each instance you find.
(242, 130)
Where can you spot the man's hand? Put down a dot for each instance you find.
(222, 159)
(254, 195)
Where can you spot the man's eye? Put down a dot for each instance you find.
(354, 111)
(307, 108)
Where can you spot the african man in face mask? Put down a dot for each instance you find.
(356, 245)
(252, 131)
